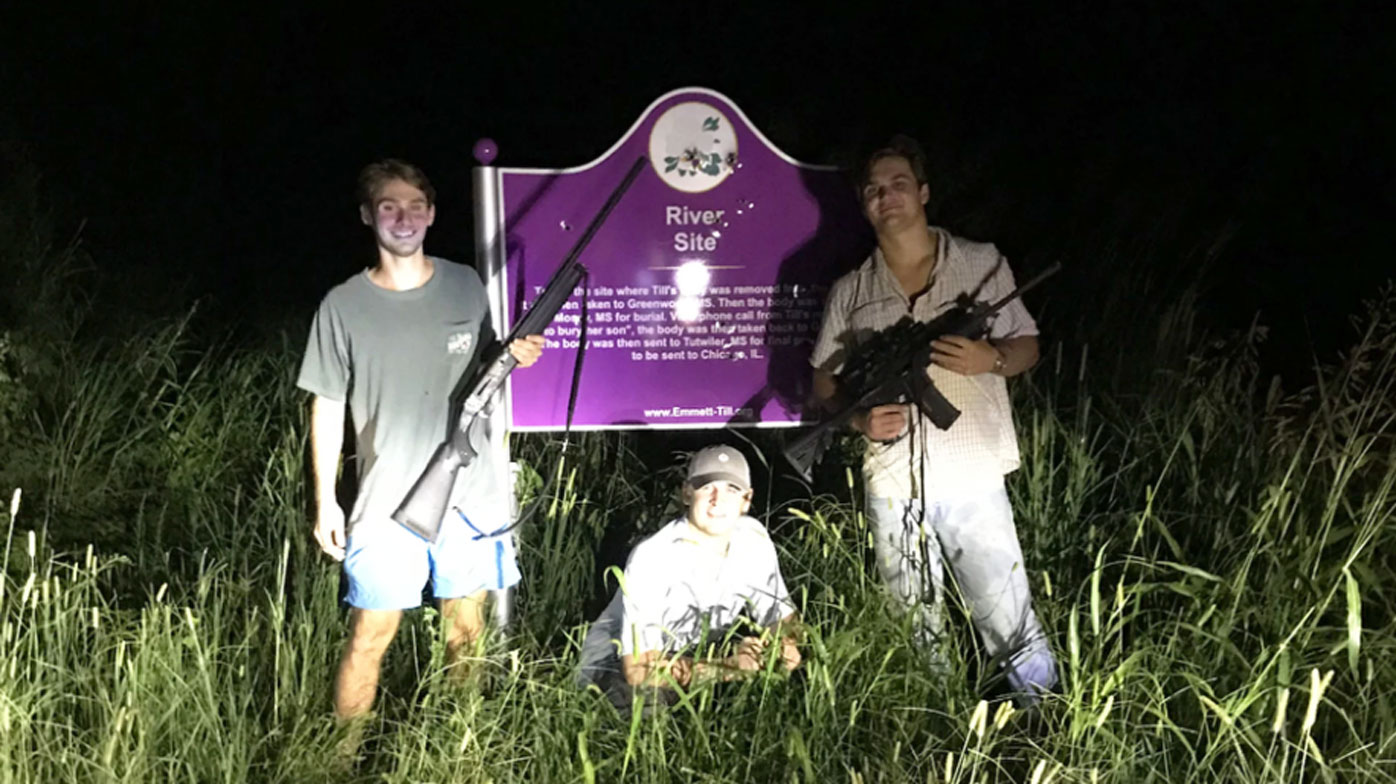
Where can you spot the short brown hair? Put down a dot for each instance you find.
(375, 175)
(899, 146)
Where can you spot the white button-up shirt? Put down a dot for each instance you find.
(981, 446)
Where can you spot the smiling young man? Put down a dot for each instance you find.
(688, 587)
(393, 343)
(937, 496)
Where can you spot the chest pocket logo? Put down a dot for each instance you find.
(459, 343)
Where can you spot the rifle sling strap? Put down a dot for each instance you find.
(577, 363)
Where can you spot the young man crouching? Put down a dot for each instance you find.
(691, 584)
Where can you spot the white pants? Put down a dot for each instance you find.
(971, 530)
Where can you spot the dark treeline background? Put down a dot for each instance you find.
(212, 153)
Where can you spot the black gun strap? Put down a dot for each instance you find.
(577, 363)
(528, 513)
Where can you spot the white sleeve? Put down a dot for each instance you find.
(829, 346)
(769, 599)
(643, 592)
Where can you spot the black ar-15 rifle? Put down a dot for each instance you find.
(890, 367)
(424, 507)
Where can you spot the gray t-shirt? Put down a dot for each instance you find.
(397, 357)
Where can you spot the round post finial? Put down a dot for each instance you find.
(485, 151)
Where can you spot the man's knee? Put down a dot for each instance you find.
(464, 617)
(371, 631)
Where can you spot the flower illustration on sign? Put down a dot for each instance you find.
(693, 162)
(693, 147)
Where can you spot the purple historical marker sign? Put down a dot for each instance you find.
(706, 283)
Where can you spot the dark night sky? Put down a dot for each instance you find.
(222, 147)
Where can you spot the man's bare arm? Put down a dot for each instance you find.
(649, 667)
(825, 387)
(790, 632)
(326, 442)
(973, 357)
(1020, 354)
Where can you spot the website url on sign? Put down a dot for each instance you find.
(679, 412)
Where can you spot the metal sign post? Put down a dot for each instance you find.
(489, 261)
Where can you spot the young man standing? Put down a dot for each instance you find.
(937, 496)
(394, 341)
(687, 587)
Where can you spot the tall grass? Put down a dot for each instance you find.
(1212, 558)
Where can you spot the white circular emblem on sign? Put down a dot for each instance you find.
(693, 147)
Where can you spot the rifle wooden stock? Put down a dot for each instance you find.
(424, 507)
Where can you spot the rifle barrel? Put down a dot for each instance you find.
(1018, 292)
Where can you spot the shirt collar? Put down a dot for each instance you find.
(883, 273)
(685, 534)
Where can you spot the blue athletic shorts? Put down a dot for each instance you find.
(388, 565)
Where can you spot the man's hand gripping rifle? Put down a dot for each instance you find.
(890, 367)
(422, 511)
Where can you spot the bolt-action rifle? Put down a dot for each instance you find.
(422, 511)
(890, 367)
